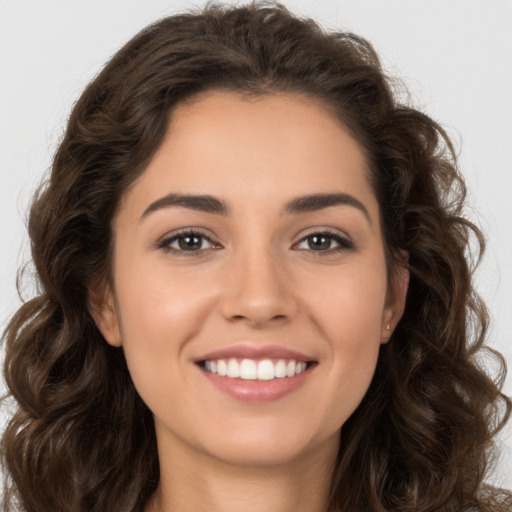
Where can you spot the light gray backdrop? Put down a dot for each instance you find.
(455, 56)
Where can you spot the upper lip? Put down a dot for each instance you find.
(251, 351)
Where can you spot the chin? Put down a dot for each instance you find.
(265, 445)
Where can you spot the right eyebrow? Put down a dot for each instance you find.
(204, 203)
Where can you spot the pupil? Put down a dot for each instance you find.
(190, 242)
(317, 242)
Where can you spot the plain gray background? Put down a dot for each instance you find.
(455, 57)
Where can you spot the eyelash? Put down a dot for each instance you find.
(344, 243)
(165, 244)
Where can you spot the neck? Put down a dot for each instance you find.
(204, 484)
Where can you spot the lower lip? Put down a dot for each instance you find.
(257, 391)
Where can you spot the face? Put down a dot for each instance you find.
(250, 288)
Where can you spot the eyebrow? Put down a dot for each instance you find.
(314, 202)
(211, 204)
(203, 203)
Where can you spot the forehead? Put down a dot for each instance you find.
(255, 148)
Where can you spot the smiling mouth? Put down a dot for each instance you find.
(255, 370)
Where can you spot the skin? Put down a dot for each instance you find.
(260, 281)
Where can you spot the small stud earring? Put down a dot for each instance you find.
(388, 326)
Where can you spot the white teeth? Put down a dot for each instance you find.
(266, 370)
(280, 369)
(222, 368)
(299, 368)
(233, 369)
(249, 369)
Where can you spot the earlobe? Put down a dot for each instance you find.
(103, 311)
(396, 301)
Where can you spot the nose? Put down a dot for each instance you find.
(258, 290)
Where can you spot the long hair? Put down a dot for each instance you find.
(82, 440)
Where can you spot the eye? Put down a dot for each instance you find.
(188, 242)
(324, 241)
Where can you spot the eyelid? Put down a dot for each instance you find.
(344, 241)
(165, 241)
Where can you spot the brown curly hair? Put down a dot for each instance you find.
(82, 440)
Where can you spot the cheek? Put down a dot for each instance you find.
(157, 328)
(349, 305)
(159, 314)
(158, 303)
(349, 311)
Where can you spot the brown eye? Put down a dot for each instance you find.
(187, 242)
(324, 242)
(190, 242)
(319, 242)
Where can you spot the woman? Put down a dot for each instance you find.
(254, 288)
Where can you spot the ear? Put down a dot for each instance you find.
(103, 310)
(395, 302)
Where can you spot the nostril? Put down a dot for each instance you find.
(258, 299)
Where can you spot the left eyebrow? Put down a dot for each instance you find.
(314, 202)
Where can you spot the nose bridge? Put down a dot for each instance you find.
(257, 288)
